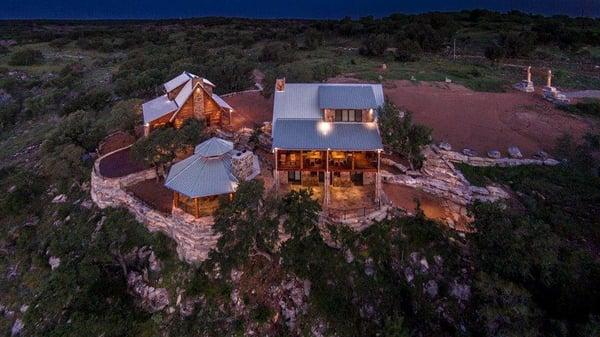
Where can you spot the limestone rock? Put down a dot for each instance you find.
(17, 327)
(462, 292)
(152, 299)
(514, 152)
(431, 288)
(541, 155)
(54, 262)
(445, 146)
(61, 198)
(495, 154)
(469, 152)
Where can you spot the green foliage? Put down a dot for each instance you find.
(23, 188)
(161, 147)
(505, 309)
(276, 52)
(125, 115)
(401, 136)
(247, 225)
(374, 45)
(408, 51)
(494, 53)
(88, 290)
(80, 128)
(590, 107)
(95, 100)
(313, 39)
(518, 44)
(26, 57)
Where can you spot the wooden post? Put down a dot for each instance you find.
(276, 173)
(378, 178)
(353, 157)
(197, 204)
(175, 200)
(327, 178)
(301, 160)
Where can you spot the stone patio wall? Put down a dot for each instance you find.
(194, 237)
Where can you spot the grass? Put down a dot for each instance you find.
(587, 107)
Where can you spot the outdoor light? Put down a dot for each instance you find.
(324, 127)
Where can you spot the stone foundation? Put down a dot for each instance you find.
(194, 237)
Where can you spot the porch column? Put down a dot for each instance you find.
(276, 174)
(146, 130)
(175, 200)
(378, 178)
(327, 177)
(197, 207)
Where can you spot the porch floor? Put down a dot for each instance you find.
(342, 198)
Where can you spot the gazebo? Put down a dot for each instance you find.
(198, 180)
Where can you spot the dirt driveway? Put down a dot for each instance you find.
(484, 121)
(251, 108)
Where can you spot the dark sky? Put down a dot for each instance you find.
(123, 9)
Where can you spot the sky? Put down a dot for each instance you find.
(157, 9)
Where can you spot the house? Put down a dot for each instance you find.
(326, 136)
(186, 96)
(214, 169)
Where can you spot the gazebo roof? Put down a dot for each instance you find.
(213, 147)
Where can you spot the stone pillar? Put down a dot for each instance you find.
(529, 74)
(198, 94)
(146, 130)
(549, 80)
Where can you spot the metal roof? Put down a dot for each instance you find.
(178, 81)
(199, 176)
(346, 97)
(184, 94)
(157, 108)
(315, 134)
(213, 147)
(301, 100)
(221, 102)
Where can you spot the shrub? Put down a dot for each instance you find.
(26, 57)
(374, 45)
(408, 51)
(494, 53)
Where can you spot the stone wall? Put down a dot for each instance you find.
(242, 164)
(194, 237)
(456, 157)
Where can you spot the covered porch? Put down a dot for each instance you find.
(301, 160)
(198, 207)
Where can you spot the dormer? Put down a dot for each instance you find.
(343, 103)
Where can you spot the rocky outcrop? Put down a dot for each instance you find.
(151, 299)
(455, 157)
(194, 237)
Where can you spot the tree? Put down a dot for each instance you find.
(505, 309)
(401, 135)
(161, 147)
(302, 213)
(374, 45)
(26, 57)
(408, 51)
(248, 225)
(494, 53)
(313, 39)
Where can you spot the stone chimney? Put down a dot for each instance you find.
(280, 84)
(242, 164)
(198, 97)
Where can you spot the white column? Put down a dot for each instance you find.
(549, 80)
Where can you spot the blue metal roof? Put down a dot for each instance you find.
(314, 134)
(213, 147)
(346, 97)
(199, 176)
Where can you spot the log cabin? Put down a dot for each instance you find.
(326, 135)
(186, 96)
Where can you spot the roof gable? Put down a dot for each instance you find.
(213, 147)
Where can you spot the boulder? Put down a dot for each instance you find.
(469, 153)
(541, 155)
(445, 146)
(514, 152)
(17, 327)
(61, 198)
(54, 262)
(431, 288)
(495, 154)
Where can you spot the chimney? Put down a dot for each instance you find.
(280, 84)
(198, 98)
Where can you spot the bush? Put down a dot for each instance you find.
(374, 45)
(26, 57)
(494, 53)
(408, 51)
(590, 107)
(276, 52)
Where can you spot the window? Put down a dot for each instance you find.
(294, 177)
(358, 115)
(345, 115)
